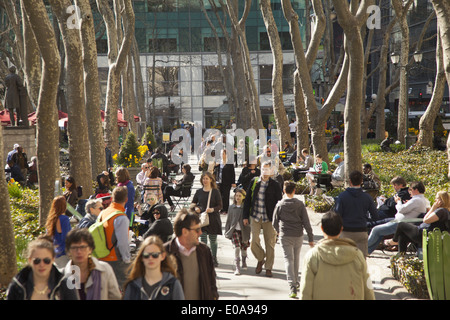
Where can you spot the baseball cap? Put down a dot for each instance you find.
(336, 157)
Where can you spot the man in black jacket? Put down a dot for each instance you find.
(262, 196)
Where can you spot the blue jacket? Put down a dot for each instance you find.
(354, 206)
(129, 206)
(169, 289)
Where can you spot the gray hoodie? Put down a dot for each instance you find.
(290, 217)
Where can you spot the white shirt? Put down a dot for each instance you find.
(411, 209)
(140, 177)
(293, 126)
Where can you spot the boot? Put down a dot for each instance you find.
(244, 262)
(237, 271)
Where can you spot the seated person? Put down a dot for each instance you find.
(16, 174)
(165, 162)
(104, 183)
(337, 177)
(247, 174)
(386, 144)
(388, 208)
(162, 226)
(436, 217)
(145, 212)
(370, 180)
(303, 165)
(140, 177)
(93, 208)
(153, 183)
(176, 189)
(412, 208)
(32, 169)
(320, 167)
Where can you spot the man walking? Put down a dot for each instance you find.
(194, 259)
(354, 205)
(116, 230)
(262, 196)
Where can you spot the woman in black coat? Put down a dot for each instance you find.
(200, 204)
(161, 227)
(225, 179)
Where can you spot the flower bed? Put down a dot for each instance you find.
(409, 272)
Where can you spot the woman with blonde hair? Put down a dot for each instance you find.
(436, 217)
(208, 199)
(40, 279)
(152, 274)
(57, 226)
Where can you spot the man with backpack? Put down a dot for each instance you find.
(116, 228)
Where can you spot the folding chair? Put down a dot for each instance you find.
(184, 195)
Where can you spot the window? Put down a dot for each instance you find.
(213, 83)
(166, 81)
(265, 78)
(163, 45)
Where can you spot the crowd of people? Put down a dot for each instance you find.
(176, 259)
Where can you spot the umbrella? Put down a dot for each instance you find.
(32, 116)
(4, 117)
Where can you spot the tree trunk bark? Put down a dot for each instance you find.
(79, 151)
(351, 19)
(8, 263)
(117, 59)
(277, 73)
(92, 90)
(427, 120)
(47, 114)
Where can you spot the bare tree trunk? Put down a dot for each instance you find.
(32, 61)
(351, 19)
(303, 64)
(402, 122)
(47, 114)
(239, 26)
(442, 9)
(140, 95)
(92, 89)
(277, 72)
(301, 116)
(79, 151)
(427, 120)
(117, 60)
(8, 263)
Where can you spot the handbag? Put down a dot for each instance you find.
(204, 216)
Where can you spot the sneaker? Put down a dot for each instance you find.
(293, 293)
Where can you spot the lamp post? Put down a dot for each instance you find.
(395, 58)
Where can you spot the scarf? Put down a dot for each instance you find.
(94, 292)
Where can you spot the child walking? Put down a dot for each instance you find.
(289, 219)
(237, 232)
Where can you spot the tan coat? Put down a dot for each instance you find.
(335, 270)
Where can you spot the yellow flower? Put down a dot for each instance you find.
(115, 157)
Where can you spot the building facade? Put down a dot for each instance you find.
(179, 62)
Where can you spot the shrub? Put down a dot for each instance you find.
(409, 271)
(131, 153)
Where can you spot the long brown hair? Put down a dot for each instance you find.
(137, 268)
(211, 177)
(59, 206)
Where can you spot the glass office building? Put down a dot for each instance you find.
(178, 48)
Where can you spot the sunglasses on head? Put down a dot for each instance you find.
(36, 261)
(154, 255)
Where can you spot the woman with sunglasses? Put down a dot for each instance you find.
(93, 279)
(145, 212)
(162, 226)
(153, 274)
(40, 279)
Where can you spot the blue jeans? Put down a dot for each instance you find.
(377, 234)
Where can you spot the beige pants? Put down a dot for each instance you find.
(270, 238)
(360, 239)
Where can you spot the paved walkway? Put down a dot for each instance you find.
(250, 286)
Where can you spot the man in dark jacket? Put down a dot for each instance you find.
(262, 196)
(387, 209)
(194, 259)
(354, 205)
(14, 86)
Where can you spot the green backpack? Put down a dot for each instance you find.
(98, 233)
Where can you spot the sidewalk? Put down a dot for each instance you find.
(250, 286)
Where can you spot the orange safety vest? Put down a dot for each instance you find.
(109, 228)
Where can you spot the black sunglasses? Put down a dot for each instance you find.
(36, 261)
(154, 255)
